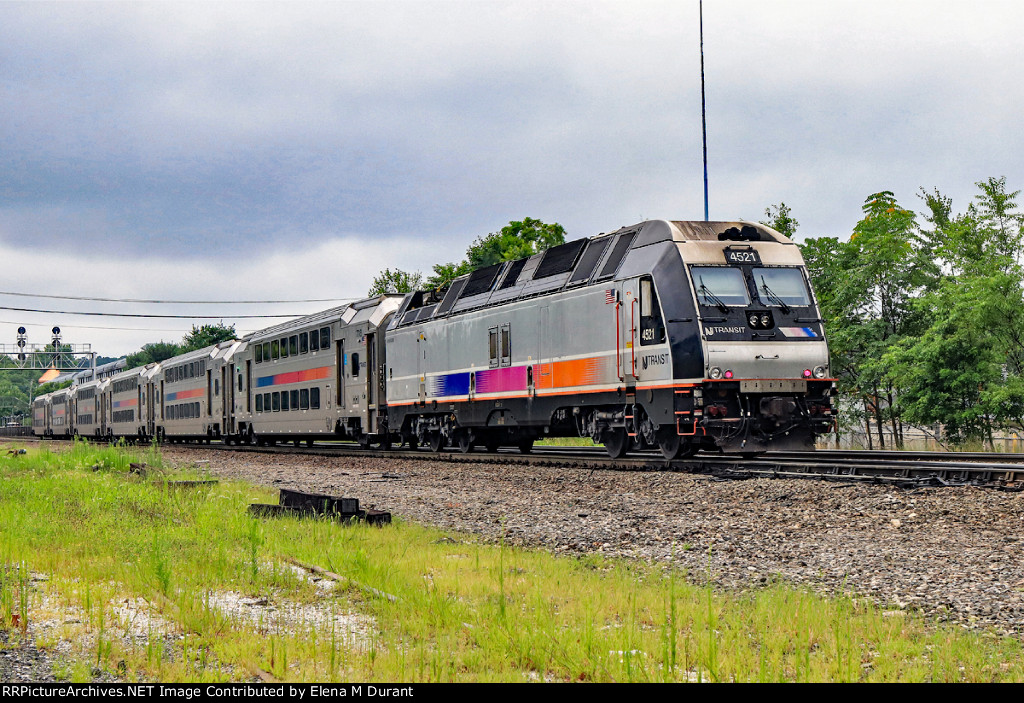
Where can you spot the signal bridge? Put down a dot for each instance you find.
(41, 357)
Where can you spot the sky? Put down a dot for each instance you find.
(290, 151)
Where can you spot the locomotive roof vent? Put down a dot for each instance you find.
(744, 234)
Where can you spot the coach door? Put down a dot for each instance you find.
(227, 401)
(150, 409)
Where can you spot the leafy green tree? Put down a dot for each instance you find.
(444, 274)
(206, 336)
(966, 369)
(154, 351)
(396, 281)
(51, 387)
(515, 240)
(780, 218)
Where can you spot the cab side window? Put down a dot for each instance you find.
(652, 330)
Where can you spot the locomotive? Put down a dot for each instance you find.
(680, 336)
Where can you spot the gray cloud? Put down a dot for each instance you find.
(209, 129)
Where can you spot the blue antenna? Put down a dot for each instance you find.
(703, 111)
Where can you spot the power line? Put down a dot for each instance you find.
(133, 314)
(126, 329)
(173, 302)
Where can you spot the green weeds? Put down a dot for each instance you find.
(223, 603)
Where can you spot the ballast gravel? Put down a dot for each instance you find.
(954, 553)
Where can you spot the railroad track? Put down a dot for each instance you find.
(904, 469)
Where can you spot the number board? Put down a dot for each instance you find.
(741, 256)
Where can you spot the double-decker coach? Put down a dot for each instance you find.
(128, 403)
(86, 401)
(190, 391)
(316, 377)
(41, 416)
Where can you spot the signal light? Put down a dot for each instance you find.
(21, 330)
(55, 330)
(728, 374)
(819, 372)
(807, 373)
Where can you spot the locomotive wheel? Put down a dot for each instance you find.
(436, 441)
(525, 446)
(673, 446)
(491, 445)
(616, 442)
(465, 442)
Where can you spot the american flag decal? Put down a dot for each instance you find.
(610, 296)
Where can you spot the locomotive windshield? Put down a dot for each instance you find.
(719, 285)
(781, 287)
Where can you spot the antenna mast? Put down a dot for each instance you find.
(703, 110)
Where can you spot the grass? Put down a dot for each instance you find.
(463, 610)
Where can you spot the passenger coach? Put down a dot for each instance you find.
(316, 377)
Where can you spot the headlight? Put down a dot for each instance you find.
(715, 372)
(819, 372)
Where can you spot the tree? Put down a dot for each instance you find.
(516, 240)
(397, 281)
(154, 351)
(780, 219)
(444, 274)
(206, 336)
(966, 368)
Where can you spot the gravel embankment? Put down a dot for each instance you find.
(952, 552)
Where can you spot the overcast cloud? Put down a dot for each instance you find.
(289, 150)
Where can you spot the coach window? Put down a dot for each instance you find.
(293, 345)
(266, 402)
(304, 343)
(259, 403)
(284, 401)
(216, 386)
(259, 354)
(652, 331)
(355, 365)
(274, 349)
(266, 351)
(275, 398)
(325, 337)
(284, 348)
(295, 399)
(304, 399)
(314, 340)
(314, 398)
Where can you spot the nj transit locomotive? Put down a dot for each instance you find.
(676, 335)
